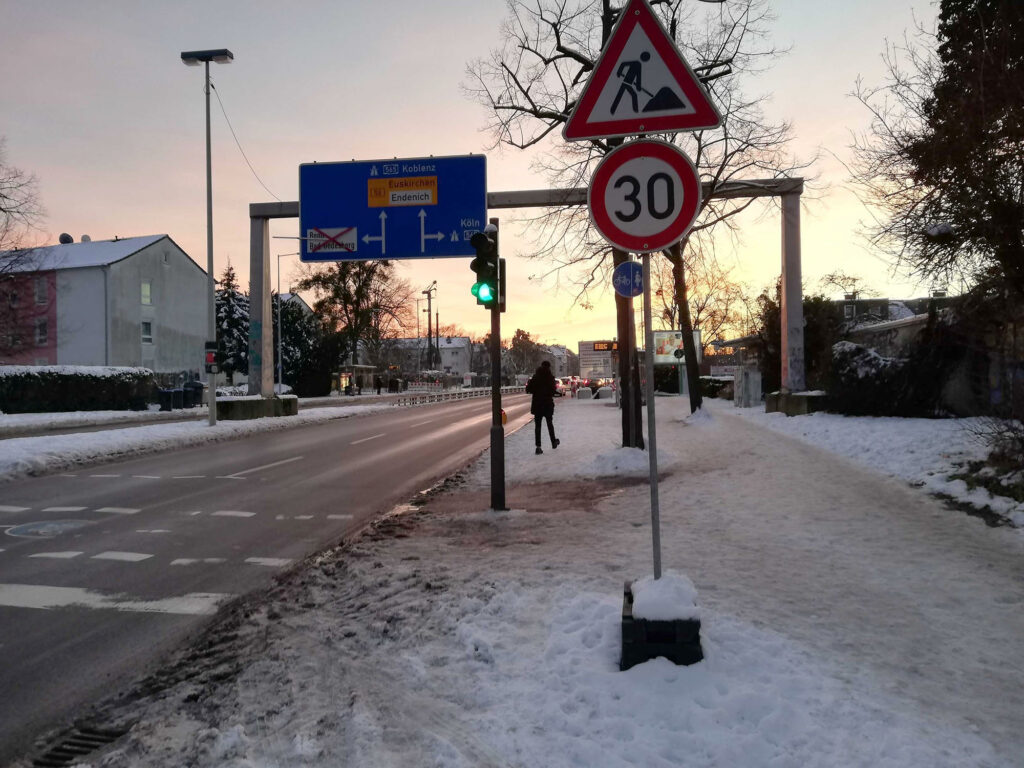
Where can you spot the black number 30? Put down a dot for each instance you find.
(634, 199)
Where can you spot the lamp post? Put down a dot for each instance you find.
(193, 59)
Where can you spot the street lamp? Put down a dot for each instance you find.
(193, 59)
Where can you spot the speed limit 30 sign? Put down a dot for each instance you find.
(644, 196)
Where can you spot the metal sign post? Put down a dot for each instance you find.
(652, 435)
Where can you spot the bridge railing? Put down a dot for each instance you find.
(420, 398)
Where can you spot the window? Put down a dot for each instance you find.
(147, 332)
(147, 292)
(849, 310)
(42, 290)
(13, 299)
(41, 332)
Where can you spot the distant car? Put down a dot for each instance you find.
(559, 388)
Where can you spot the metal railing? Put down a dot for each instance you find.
(457, 394)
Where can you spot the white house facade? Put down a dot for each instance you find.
(138, 301)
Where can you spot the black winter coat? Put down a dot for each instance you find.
(542, 387)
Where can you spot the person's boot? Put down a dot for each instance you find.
(555, 443)
(539, 451)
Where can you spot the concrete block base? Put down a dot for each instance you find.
(793, 404)
(677, 640)
(237, 410)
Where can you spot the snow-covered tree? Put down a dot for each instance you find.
(232, 324)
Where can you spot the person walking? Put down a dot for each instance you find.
(542, 406)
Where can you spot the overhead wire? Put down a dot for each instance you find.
(238, 143)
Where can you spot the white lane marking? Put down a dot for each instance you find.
(104, 475)
(234, 475)
(57, 555)
(194, 560)
(367, 439)
(119, 510)
(147, 477)
(6, 508)
(280, 517)
(421, 423)
(231, 513)
(45, 597)
(64, 509)
(152, 530)
(339, 517)
(193, 514)
(68, 475)
(188, 477)
(273, 562)
(126, 557)
(303, 517)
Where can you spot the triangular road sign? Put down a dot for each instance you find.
(641, 84)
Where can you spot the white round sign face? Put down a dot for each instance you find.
(644, 196)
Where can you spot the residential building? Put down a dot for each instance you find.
(137, 301)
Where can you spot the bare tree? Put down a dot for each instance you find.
(20, 216)
(715, 299)
(530, 84)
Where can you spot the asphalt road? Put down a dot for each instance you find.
(104, 570)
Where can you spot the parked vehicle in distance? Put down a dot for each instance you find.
(559, 388)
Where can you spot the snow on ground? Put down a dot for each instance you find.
(847, 620)
(924, 452)
(21, 456)
(15, 423)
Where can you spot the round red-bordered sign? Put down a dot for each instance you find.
(644, 196)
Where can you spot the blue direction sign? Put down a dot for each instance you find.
(628, 279)
(424, 207)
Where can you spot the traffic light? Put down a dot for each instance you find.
(485, 265)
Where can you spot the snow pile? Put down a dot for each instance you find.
(673, 596)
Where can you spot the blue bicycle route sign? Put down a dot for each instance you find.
(418, 208)
(628, 279)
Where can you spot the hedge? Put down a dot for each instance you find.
(42, 389)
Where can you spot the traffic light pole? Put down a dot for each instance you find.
(497, 430)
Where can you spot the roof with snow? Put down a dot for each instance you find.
(97, 253)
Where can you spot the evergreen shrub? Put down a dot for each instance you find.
(44, 389)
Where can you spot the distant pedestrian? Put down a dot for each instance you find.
(378, 382)
(542, 406)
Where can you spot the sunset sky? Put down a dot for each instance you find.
(98, 105)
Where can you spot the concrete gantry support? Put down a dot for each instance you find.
(261, 354)
(792, 310)
(261, 345)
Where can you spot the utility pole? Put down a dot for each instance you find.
(429, 293)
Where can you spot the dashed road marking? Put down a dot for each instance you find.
(57, 555)
(339, 517)
(303, 517)
(147, 477)
(152, 530)
(194, 560)
(421, 423)
(188, 477)
(193, 514)
(8, 508)
(127, 557)
(229, 477)
(119, 510)
(104, 475)
(234, 475)
(367, 439)
(64, 509)
(68, 475)
(273, 562)
(231, 513)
